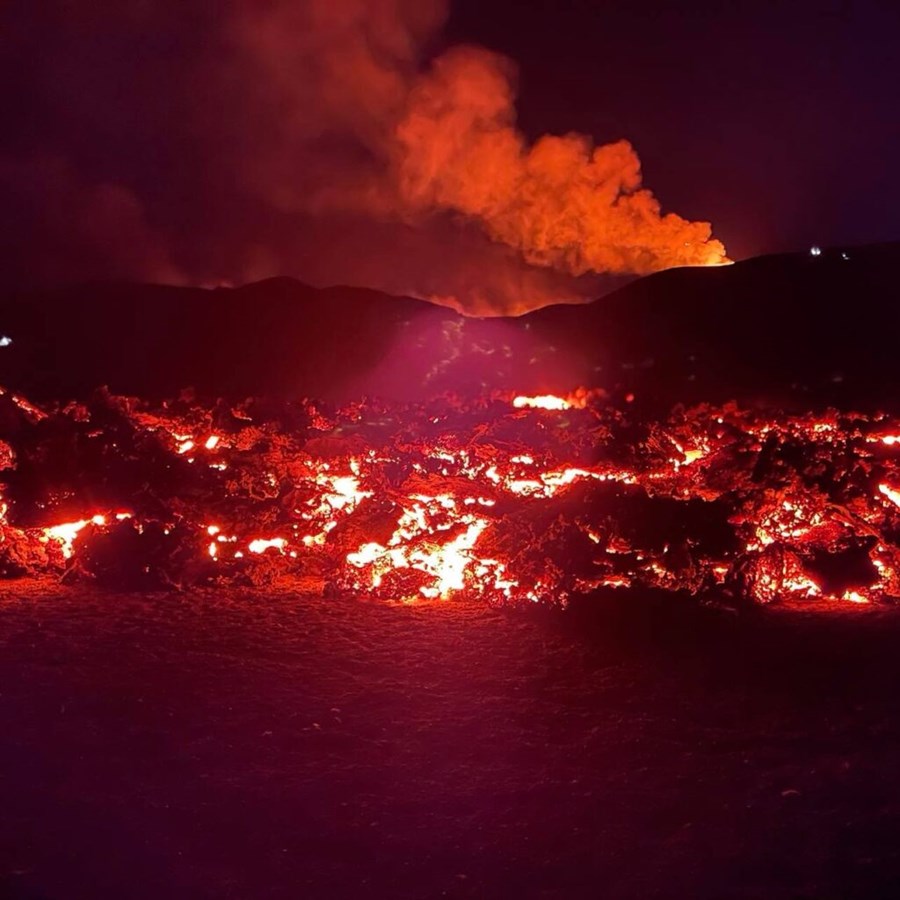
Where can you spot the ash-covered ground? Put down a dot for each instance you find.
(250, 744)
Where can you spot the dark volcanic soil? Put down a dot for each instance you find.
(259, 746)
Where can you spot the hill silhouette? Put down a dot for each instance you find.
(796, 329)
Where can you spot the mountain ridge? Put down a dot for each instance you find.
(796, 327)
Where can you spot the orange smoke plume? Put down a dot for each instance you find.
(313, 138)
(561, 202)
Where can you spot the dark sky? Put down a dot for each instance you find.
(203, 143)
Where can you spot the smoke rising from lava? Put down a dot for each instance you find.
(561, 202)
(311, 138)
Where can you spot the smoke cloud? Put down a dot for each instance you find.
(315, 138)
(561, 202)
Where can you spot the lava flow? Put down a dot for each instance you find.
(504, 498)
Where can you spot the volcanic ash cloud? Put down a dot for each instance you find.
(561, 202)
(364, 126)
(322, 139)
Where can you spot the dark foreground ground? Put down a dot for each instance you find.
(259, 746)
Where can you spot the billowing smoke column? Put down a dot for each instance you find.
(561, 202)
(311, 138)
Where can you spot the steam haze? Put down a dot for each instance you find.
(330, 141)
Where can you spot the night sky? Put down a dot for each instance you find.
(172, 142)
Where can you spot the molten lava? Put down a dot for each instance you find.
(505, 498)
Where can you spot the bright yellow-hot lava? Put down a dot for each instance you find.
(544, 401)
(66, 533)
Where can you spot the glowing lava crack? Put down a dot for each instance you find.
(504, 498)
